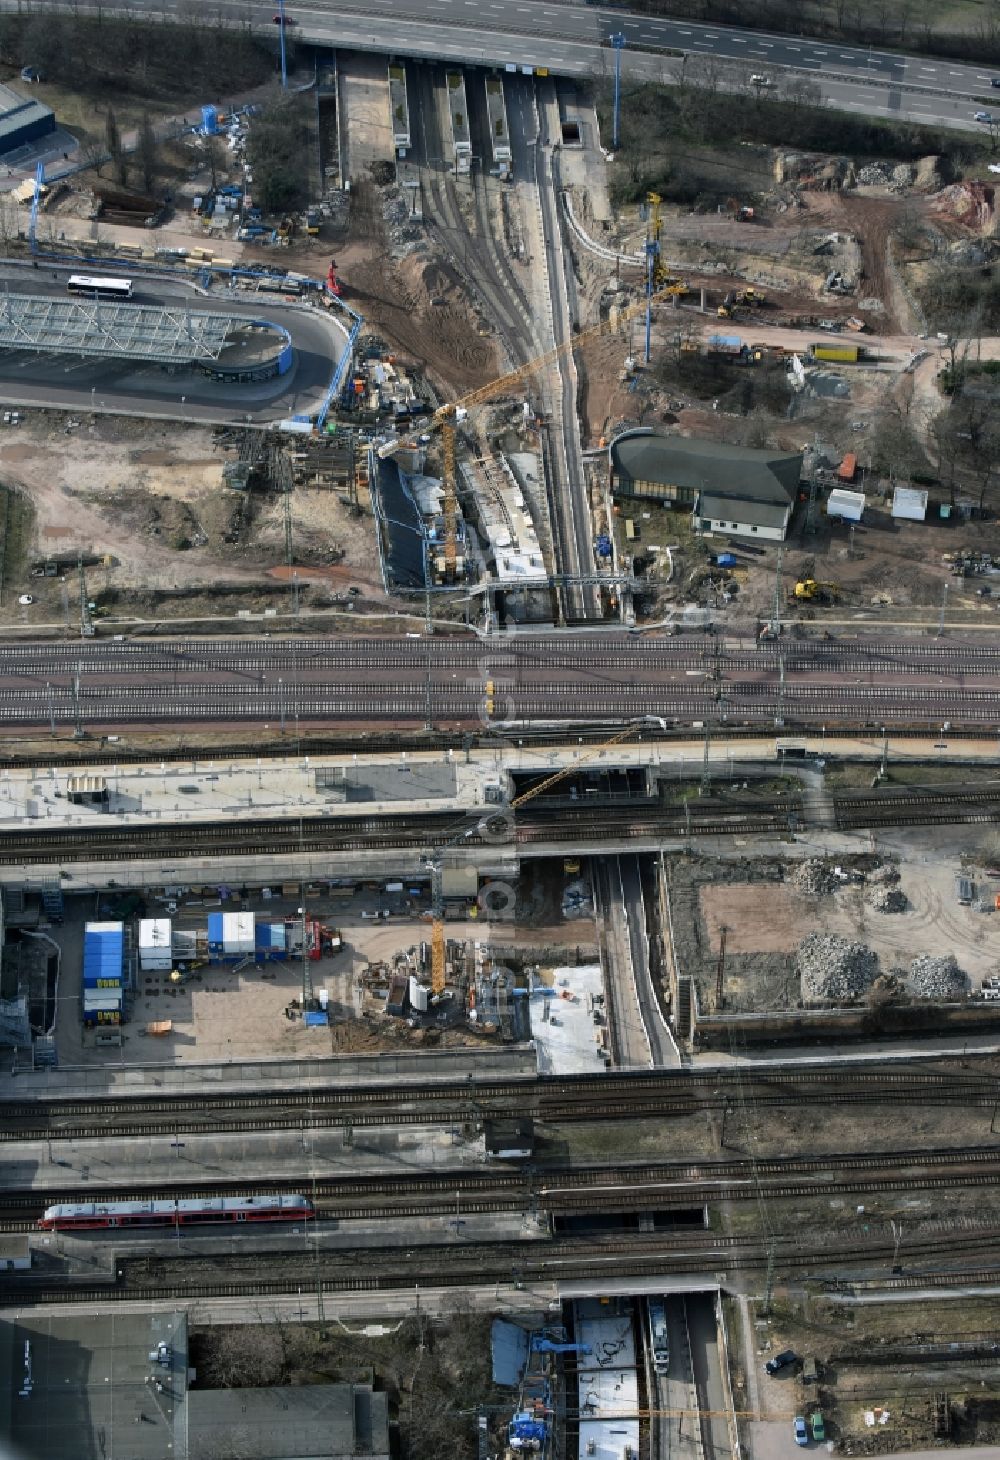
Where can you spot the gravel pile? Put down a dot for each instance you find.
(833, 968)
(937, 978)
(814, 876)
(873, 176)
(887, 899)
(902, 176)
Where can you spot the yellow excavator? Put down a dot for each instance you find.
(809, 590)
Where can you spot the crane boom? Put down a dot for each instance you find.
(595, 750)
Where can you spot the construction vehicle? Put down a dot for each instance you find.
(741, 299)
(809, 590)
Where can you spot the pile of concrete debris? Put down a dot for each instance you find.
(883, 898)
(815, 877)
(937, 978)
(831, 968)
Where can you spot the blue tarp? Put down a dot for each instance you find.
(510, 1352)
(314, 1021)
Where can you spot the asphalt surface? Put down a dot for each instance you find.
(571, 40)
(31, 379)
(556, 678)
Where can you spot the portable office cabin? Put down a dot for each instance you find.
(103, 955)
(237, 933)
(102, 1006)
(848, 506)
(155, 945)
(270, 941)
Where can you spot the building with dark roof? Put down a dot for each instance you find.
(734, 490)
(301, 1422)
(22, 120)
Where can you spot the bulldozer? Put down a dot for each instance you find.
(808, 590)
(741, 299)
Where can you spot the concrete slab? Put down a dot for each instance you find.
(562, 1025)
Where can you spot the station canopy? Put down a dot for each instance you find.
(103, 329)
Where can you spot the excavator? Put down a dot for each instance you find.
(809, 590)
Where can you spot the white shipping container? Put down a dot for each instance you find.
(418, 995)
(238, 932)
(849, 506)
(155, 943)
(909, 504)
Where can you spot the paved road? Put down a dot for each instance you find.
(32, 379)
(662, 1049)
(567, 39)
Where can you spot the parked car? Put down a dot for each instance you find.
(995, 81)
(985, 117)
(780, 1361)
(288, 20)
(758, 80)
(818, 1427)
(801, 1433)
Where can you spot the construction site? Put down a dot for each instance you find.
(498, 748)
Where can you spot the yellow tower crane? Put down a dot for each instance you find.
(445, 416)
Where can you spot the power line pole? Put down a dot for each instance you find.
(618, 40)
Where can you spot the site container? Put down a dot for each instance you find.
(848, 468)
(270, 941)
(102, 1006)
(238, 933)
(155, 944)
(848, 506)
(214, 934)
(103, 955)
(844, 354)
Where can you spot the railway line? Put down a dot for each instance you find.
(551, 1100)
(159, 1278)
(585, 1190)
(567, 678)
(578, 824)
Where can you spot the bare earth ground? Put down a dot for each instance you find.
(775, 919)
(152, 498)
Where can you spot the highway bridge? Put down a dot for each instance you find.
(559, 679)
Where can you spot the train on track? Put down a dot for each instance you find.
(187, 1212)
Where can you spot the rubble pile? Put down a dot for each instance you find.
(887, 873)
(815, 877)
(887, 899)
(872, 175)
(937, 978)
(833, 968)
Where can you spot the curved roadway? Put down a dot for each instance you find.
(72, 384)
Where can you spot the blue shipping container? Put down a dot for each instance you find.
(215, 928)
(103, 952)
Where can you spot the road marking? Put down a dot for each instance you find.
(737, 41)
(685, 32)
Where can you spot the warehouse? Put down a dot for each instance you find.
(22, 120)
(734, 490)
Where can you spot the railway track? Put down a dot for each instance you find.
(540, 1263)
(587, 1189)
(578, 824)
(565, 677)
(551, 1100)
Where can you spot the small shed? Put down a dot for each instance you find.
(848, 506)
(510, 1140)
(15, 1252)
(909, 504)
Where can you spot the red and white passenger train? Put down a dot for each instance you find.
(189, 1211)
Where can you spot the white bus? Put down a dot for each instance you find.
(99, 287)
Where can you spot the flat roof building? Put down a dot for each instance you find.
(22, 120)
(304, 1422)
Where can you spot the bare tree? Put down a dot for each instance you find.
(148, 154)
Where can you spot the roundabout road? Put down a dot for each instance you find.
(62, 382)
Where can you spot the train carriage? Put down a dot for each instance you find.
(188, 1211)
